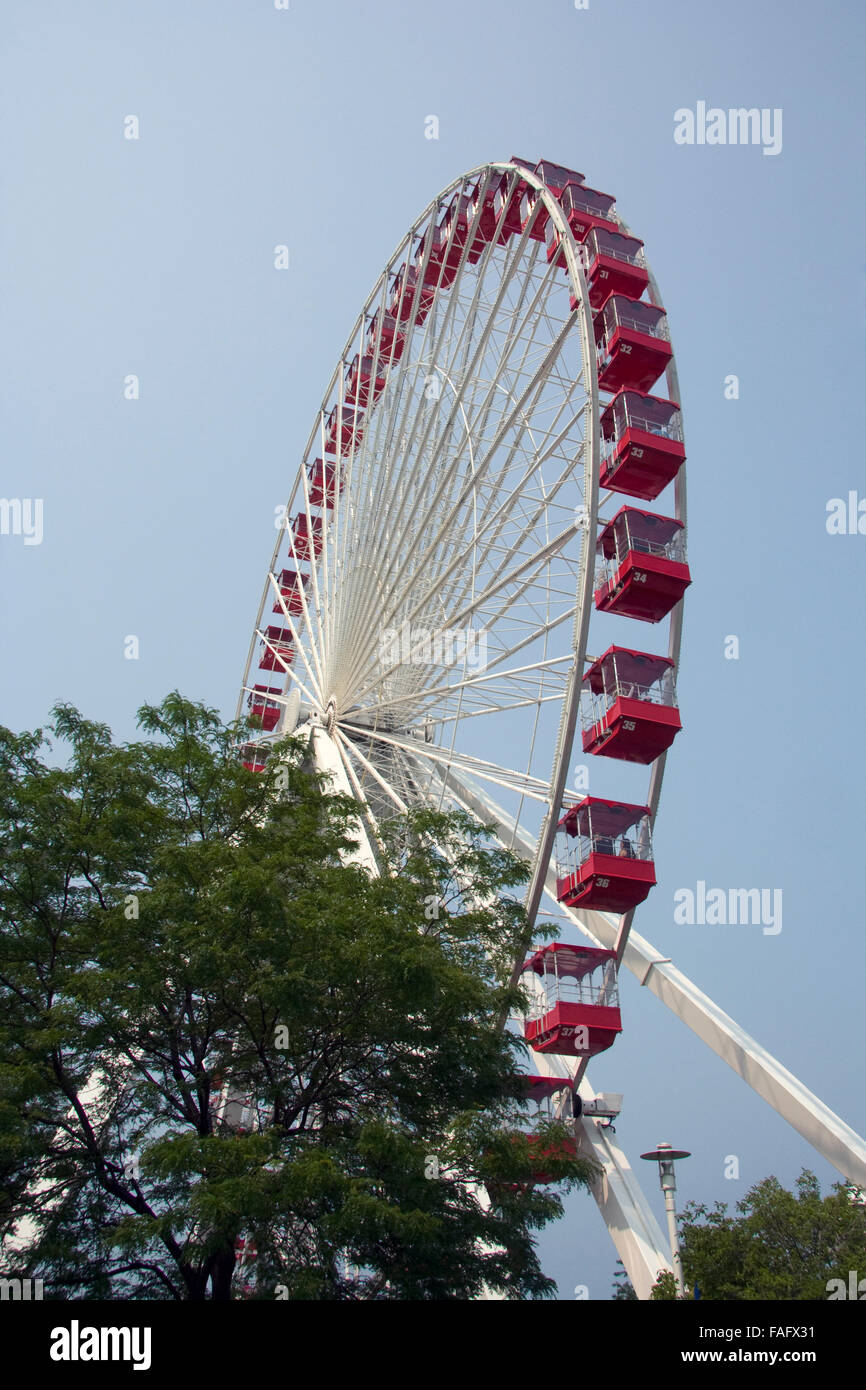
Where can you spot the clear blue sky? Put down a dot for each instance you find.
(306, 127)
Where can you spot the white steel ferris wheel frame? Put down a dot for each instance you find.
(335, 731)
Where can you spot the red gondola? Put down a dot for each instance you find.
(557, 178)
(347, 424)
(325, 482)
(290, 584)
(643, 572)
(614, 264)
(542, 1090)
(642, 447)
(459, 217)
(633, 343)
(362, 388)
(403, 290)
(488, 208)
(444, 258)
(268, 711)
(278, 652)
(604, 855)
(307, 539)
(629, 706)
(576, 1012)
(391, 339)
(507, 208)
(254, 757)
(584, 209)
(484, 201)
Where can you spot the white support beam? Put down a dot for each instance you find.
(327, 760)
(632, 1227)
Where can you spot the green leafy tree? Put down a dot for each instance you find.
(782, 1245)
(220, 1037)
(664, 1290)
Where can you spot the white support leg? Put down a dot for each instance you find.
(327, 760)
(627, 1214)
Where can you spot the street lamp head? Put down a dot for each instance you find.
(665, 1157)
(664, 1151)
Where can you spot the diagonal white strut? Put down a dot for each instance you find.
(629, 1218)
(327, 760)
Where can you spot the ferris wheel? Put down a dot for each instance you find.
(476, 528)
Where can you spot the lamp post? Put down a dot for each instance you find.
(666, 1157)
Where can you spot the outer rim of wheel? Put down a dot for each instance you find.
(569, 707)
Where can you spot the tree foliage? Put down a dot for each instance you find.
(215, 1030)
(623, 1289)
(781, 1245)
